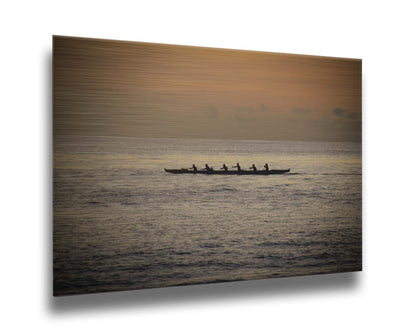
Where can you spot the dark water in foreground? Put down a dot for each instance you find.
(121, 222)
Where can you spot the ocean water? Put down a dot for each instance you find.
(121, 222)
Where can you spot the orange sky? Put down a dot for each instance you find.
(104, 87)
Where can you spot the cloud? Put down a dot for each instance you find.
(344, 113)
(352, 115)
(210, 111)
(340, 112)
(300, 110)
(261, 108)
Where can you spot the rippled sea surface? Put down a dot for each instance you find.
(121, 222)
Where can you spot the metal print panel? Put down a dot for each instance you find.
(177, 165)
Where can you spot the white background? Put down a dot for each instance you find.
(381, 298)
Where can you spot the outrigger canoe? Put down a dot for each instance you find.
(229, 172)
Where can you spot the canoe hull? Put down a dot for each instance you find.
(229, 172)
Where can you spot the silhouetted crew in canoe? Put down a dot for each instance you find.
(224, 167)
(266, 167)
(253, 167)
(237, 166)
(207, 168)
(194, 167)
